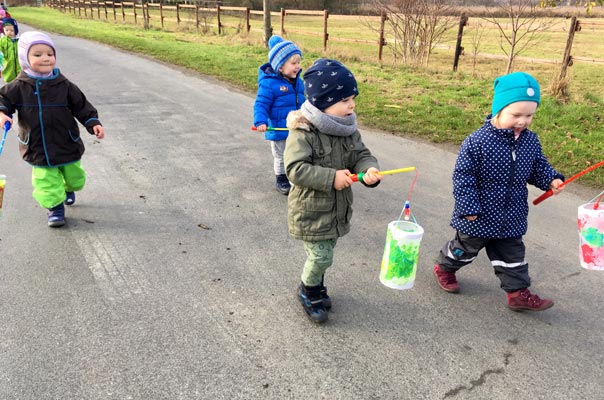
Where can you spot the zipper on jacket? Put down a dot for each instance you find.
(508, 193)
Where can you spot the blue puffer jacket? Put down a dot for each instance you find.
(275, 99)
(490, 180)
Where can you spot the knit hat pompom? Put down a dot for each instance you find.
(280, 51)
(328, 82)
(517, 86)
(9, 21)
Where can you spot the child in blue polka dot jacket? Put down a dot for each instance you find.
(493, 168)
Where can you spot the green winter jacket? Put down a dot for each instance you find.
(316, 211)
(11, 67)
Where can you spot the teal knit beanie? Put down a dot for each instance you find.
(517, 86)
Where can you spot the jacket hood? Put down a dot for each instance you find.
(266, 71)
(295, 120)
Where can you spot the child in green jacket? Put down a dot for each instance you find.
(9, 59)
(323, 149)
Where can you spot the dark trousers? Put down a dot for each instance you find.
(506, 255)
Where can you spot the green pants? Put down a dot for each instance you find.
(319, 257)
(51, 183)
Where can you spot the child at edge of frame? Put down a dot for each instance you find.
(492, 170)
(280, 90)
(9, 50)
(49, 138)
(323, 149)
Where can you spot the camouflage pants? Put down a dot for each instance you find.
(319, 257)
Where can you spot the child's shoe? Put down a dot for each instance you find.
(310, 297)
(325, 296)
(56, 216)
(69, 198)
(446, 279)
(282, 184)
(524, 300)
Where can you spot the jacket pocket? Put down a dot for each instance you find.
(74, 135)
(316, 214)
(23, 138)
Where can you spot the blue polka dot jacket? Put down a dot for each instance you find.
(490, 181)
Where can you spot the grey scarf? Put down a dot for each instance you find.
(329, 124)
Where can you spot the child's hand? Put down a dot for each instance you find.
(557, 186)
(342, 179)
(261, 128)
(372, 176)
(99, 132)
(4, 118)
(471, 217)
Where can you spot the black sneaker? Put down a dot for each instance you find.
(282, 184)
(69, 198)
(56, 216)
(311, 300)
(325, 296)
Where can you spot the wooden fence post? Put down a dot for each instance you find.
(177, 14)
(567, 61)
(161, 13)
(218, 19)
(134, 10)
(282, 22)
(325, 34)
(114, 13)
(123, 12)
(458, 47)
(247, 19)
(197, 16)
(382, 41)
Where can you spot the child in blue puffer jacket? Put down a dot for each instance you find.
(280, 90)
(490, 179)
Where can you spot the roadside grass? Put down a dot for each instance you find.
(433, 104)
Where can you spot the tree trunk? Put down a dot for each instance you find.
(268, 29)
(512, 54)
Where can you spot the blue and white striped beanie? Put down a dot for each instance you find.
(280, 51)
(328, 82)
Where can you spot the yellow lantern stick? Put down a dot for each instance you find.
(359, 177)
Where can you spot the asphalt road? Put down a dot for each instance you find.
(175, 277)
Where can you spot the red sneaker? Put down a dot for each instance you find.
(524, 300)
(446, 280)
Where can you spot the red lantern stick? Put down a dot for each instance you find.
(550, 192)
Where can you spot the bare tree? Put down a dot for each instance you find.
(476, 36)
(417, 25)
(521, 27)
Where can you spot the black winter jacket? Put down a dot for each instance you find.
(48, 109)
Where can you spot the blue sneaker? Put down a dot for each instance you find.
(312, 303)
(69, 198)
(56, 216)
(282, 184)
